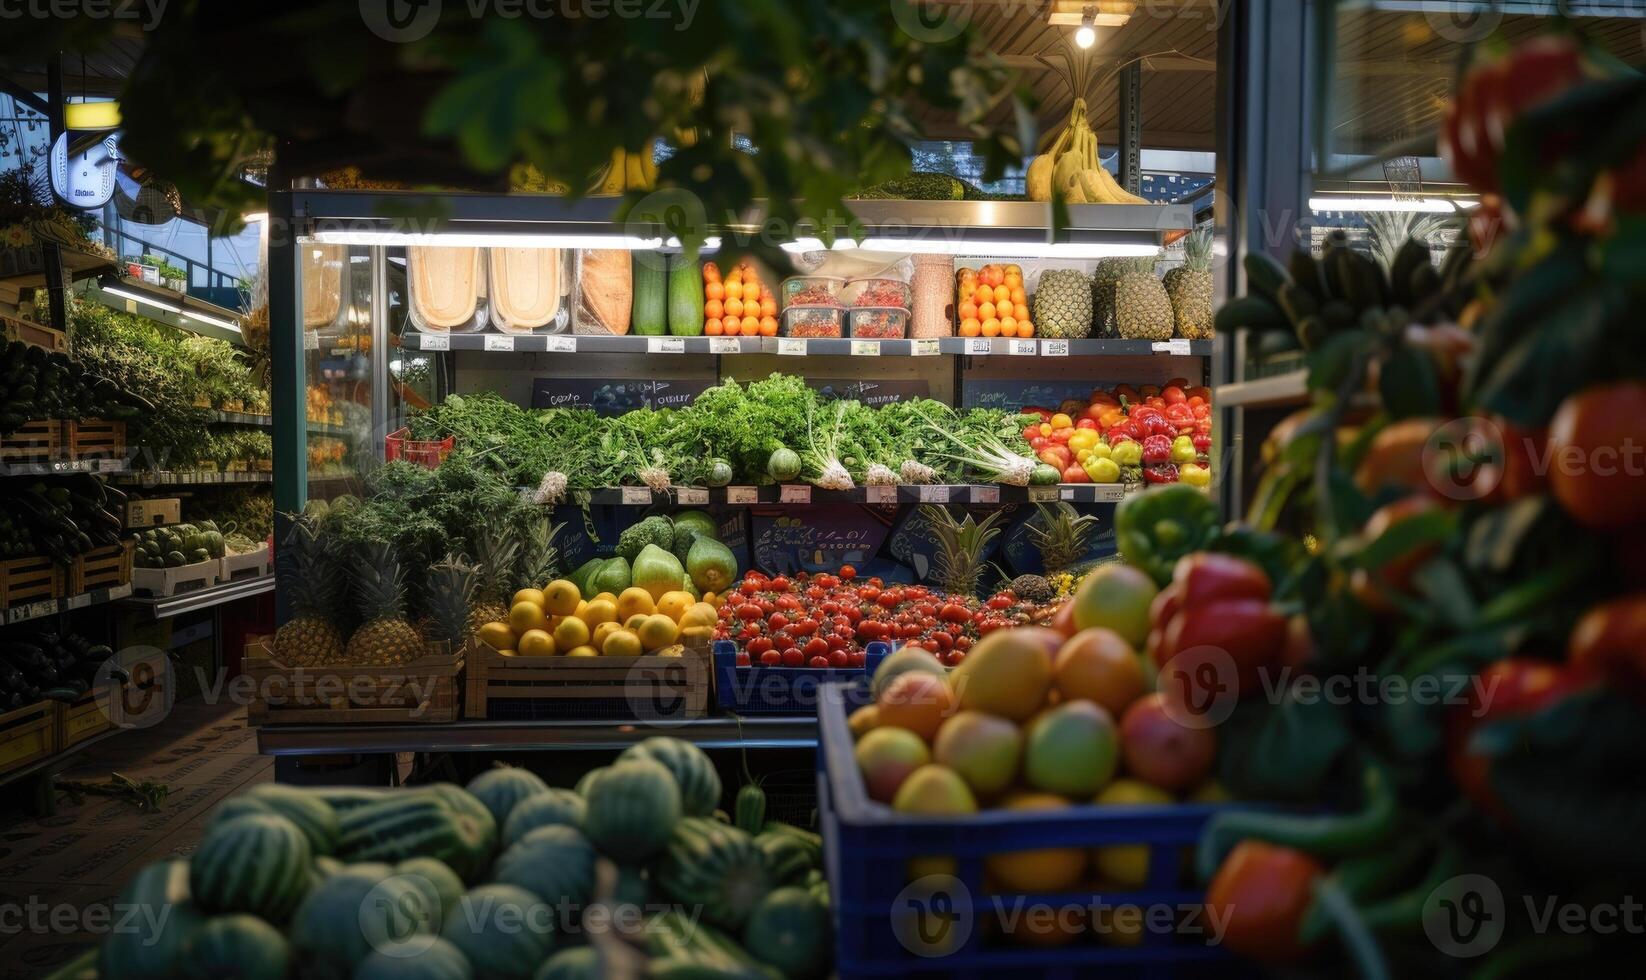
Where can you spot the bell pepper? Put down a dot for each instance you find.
(1218, 649)
(1127, 452)
(1157, 449)
(1160, 473)
(1155, 401)
(1141, 412)
(1182, 450)
(1610, 641)
(1102, 469)
(1083, 439)
(1127, 429)
(1085, 422)
(1155, 528)
(1158, 425)
(1173, 395)
(1262, 893)
(1195, 475)
(1510, 688)
(1202, 444)
(1058, 456)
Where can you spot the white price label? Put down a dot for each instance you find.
(925, 348)
(1041, 495)
(637, 495)
(436, 341)
(499, 342)
(985, 495)
(311, 340)
(791, 346)
(1022, 348)
(742, 495)
(795, 493)
(865, 348)
(1054, 348)
(1110, 493)
(1170, 347)
(934, 494)
(45, 607)
(692, 496)
(880, 493)
(1067, 493)
(665, 345)
(725, 345)
(78, 601)
(979, 345)
(560, 345)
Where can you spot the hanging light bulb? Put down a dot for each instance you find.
(1086, 34)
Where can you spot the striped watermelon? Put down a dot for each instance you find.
(692, 769)
(236, 947)
(440, 885)
(505, 931)
(352, 913)
(582, 787)
(415, 825)
(418, 958)
(633, 886)
(345, 798)
(312, 815)
(257, 863)
(632, 810)
(158, 918)
(581, 963)
(789, 929)
(552, 806)
(714, 866)
(555, 862)
(501, 788)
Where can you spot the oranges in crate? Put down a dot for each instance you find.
(991, 302)
(739, 305)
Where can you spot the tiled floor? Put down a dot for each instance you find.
(59, 874)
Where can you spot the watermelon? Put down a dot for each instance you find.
(692, 769)
(417, 958)
(505, 931)
(581, 963)
(257, 863)
(685, 297)
(312, 815)
(787, 859)
(555, 862)
(552, 806)
(714, 866)
(397, 829)
(352, 913)
(632, 810)
(439, 884)
(344, 798)
(789, 929)
(236, 947)
(633, 887)
(582, 787)
(649, 315)
(501, 788)
(156, 920)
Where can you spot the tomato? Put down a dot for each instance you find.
(748, 610)
(847, 573)
(792, 657)
(782, 639)
(806, 627)
(1172, 395)
(1075, 473)
(826, 580)
(856, 658)
(818, 661)
(787, 602)
(815, 646)
(1596, 444)
(748, 634)
(765, 605)
(1610, 640)
(1262, 892)
(759, 645)
(816, 593)
(780, 584)
(868, 593)
(963, 643)
(772, 658)
(749, 587)
(838, 659)
(1509, 688)
(943, 640)
(776, 621)
(1374, 587)
(889, 599)
(999, 601)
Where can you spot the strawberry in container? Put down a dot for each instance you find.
(878, 322)
(812, 291)
(879, 292)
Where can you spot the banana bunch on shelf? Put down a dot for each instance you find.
(1071, 168)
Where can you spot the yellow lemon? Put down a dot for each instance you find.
(601, 632)
(657, 631)
(561, 597)
(674, 604)
(582, 610)
(608, 596)
(572, 632)
(497, 635)
(697, 636)
(529, 595)
(632, 624)
(536, 643)
(700, 614)
(600, 611)
(634, 601)
(621, 643)
(583, 651)
(525, 616)
(508, 653)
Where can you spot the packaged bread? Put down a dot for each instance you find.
(605, 291)
(525, 287)
(447, 287)
(324, 279)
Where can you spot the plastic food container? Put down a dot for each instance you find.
(811, 291)
(878, 322)
(813, 321)
(878, 292)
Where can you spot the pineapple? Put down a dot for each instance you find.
(310, 637)
(496, 552)
(1063, 304)
(542, 557)
(1142, 310)
(1062, 535)
(958, 564)
(1033, 588)
(1104, 276)
(1189, 286)
(448, 590)
(385, 638)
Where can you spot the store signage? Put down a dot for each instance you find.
(613, 397)
(872, 393)
(83, 169)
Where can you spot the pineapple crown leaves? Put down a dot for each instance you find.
(1197, 249)
(1061, 534)
(542, 555)
(449, 588)
(961, 544)
(310, 574)
(380, 582)
(497, 552)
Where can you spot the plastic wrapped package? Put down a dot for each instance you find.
(605, 291)
(813, 321)
(526, 286)
(878, 291)
(933, 287)
(811, 291)
(877, 322)
(447, 286)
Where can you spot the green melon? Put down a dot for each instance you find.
(312, 815)
(501, 788)
(583, 784)
(554, 862)
(352, 913)
(505, 931)
(416, 825)
(345, 798)
(236, 947)
(440, 885)
(552, 806)
(691, 767)
(632, 810)
(789, 929)
(257, 863)
(417, 958)
(581, 963)
(159, 919)
(634, 886)
(716, 867)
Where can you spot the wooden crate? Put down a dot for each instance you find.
(170, 581)
(34, 442)
(27, 735)
(24, 580)
(140, 698)
(34, 334)
(86, 718)
(425, 690)
(101, 568)
(649, 688)
(154, 512)
(249, 565)
(95, 439)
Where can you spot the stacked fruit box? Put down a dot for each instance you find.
(427, 689)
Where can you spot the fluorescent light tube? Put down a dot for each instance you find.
(140, 298)
(214, 321)
(1014, 250)
(1428, 205)
(462, 239)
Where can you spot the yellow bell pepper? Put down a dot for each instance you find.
(1083, 439)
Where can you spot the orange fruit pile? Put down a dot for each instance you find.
(738, 306)
(991, 302)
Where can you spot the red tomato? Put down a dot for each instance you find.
(839, 658)
(1086, 423)
(1509, 688)
(815, 646)
(827, 581)
(759, 645)
(776, 621)
(780, 584)
(792, 657)
(1610, 640)
(868, 593)
(818, 661)
(1075, 473)
(749, 587)
(1264, 891)
(1172, 395)
(772, 658)
(1595, 453)
(748, 610)
(847, 573)
(856, 658)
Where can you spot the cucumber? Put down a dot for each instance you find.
(650, 316)
(685, 298)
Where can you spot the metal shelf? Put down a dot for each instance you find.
(164, 607)
(65, 467)
(803, 346)
(267, 422)
(512, 736)
(1290, 388)
(51, 607)
(803, 494)
(164, 478)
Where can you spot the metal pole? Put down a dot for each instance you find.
(287, 395)
(57, 281)
(1131, 127)
(378, 362)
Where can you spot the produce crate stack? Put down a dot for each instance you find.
(33, 442)
(427, 689)
(33, 334)
(179, 558)
(674, 687)
(26, 580)
(101, 568)
(27, 735)
(94, 439)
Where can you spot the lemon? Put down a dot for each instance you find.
(634, 601)
(621, 643)
(572, 632)
(529, 595)
(608, 596)
(583, 651)
(525, 616)
(657, 631)
(674, 604)
(497, 635)
(561, 597)
(582, 610)
(536, 643)
(600, 611)
(700, 614)
(508, 653)
(632, 624)
(601, 632)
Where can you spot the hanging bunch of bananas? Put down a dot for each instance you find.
(1071, 167)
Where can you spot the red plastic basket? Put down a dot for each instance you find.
(422, 452)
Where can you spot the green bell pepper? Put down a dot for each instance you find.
(1155, 528)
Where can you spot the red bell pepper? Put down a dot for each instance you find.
(1155, 401)
(1214, 614)
(1160, 473)
(1159, 425)
(1173, 395)
(1143, 411)
(1510, 688)
(1085, 422)
(1202, 443)
(1180, 415)
(1261, 893)
(1209, 576)
(1157, 449)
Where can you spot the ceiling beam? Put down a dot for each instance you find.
(76, 84)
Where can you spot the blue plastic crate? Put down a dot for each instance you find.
(761, 690)
(867, 848)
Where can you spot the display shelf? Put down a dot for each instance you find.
(63, 467)
(267, 422)
(1291, 388)
(51, 607)
(720, 732)
(163, 607)
(569, 344)
(160, 478)
(802, 494)
(804, 346)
